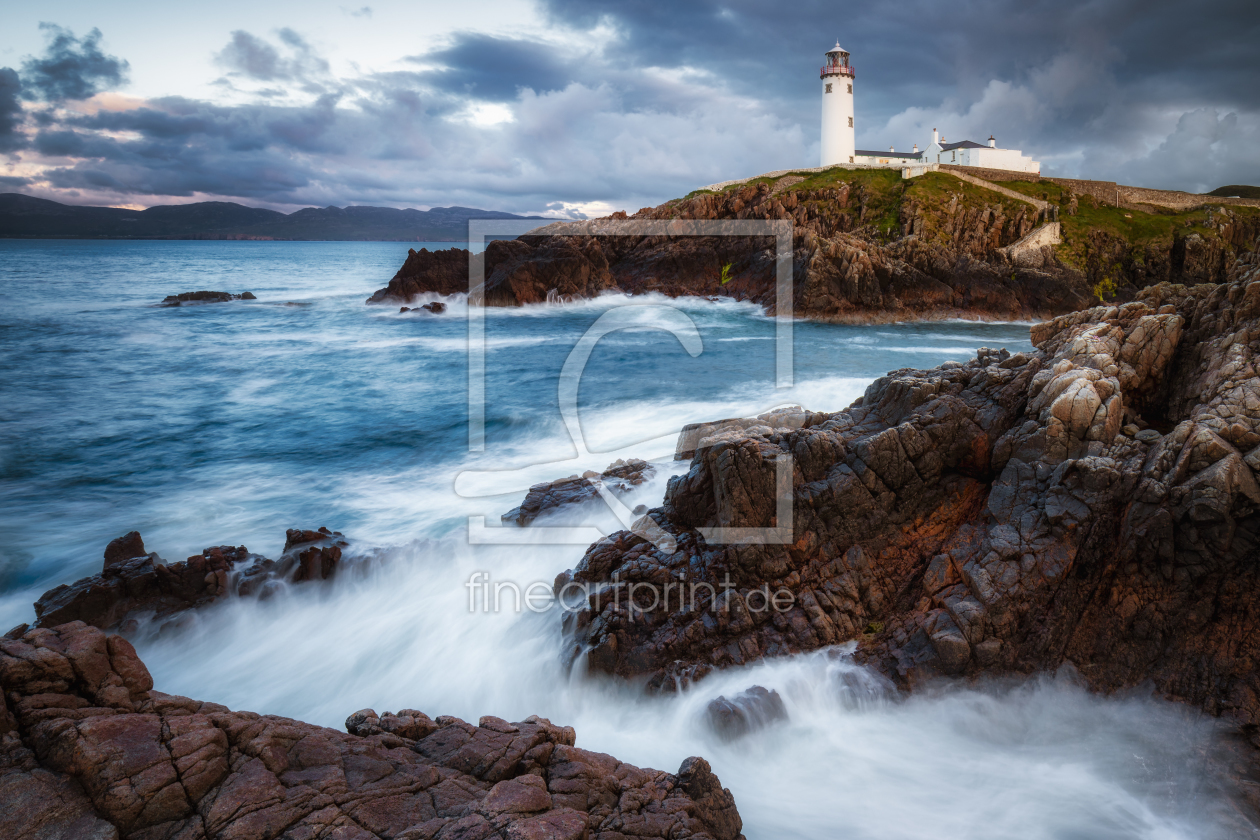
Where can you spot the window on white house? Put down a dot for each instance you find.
(828, 90)
(850, 156)
(850, 88)
(850, 122)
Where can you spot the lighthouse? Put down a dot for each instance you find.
(837, 108)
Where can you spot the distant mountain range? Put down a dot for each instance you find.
(26, 217)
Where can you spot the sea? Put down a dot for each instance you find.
(412, 433)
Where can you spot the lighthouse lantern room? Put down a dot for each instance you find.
(837, 108)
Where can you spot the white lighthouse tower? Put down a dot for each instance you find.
(837, 108)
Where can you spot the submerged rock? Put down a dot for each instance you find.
(89, 751)
(752, 709)
(436, 307)
(134, 584)
(619, 478)
(205, 297)
(992, 516)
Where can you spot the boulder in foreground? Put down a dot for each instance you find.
(89, 751)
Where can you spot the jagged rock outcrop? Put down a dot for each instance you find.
(424, 271)
(134, 584)
(549, 496)
(89, 751)
(862, 250)
(1094, 501)
(842, 266)
(204, 297)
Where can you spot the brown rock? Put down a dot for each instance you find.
(618, 478)
(941, 257)
(135, 584)
(124, 548)
(149, 765)
(989, 517)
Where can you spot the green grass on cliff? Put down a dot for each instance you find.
(935, 191)
(878, 180)
(1100, 240)
(884, 193)
(1138, 229)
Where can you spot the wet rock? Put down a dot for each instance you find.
(444, 272)
(619, 478)
(204, 297)
(699, 435)
(124, 548)
(133, 585)
(994, 516)
(91, 752)
(752, 709)
(436, 307)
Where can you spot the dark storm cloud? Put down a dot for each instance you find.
(71, 68)
(682, 95)
(10, 110)
(495, 69)
(1086, 87)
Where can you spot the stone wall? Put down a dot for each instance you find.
(1044, 206)
(992, 174)
(1133, 197)
(1104, 192)
(1034, 250)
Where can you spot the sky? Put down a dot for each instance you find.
(575, 108)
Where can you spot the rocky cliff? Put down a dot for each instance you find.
(866, 246)
(1093, 502)
(89, 751)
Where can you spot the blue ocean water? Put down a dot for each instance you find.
(229, 423)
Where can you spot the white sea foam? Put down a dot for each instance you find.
(1042, 759)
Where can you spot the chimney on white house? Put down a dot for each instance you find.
(916, 148)
(891, 149)
(935, 137)
(992, 142)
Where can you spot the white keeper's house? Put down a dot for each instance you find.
(838, 132)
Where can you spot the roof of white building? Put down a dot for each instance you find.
(887, 154)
